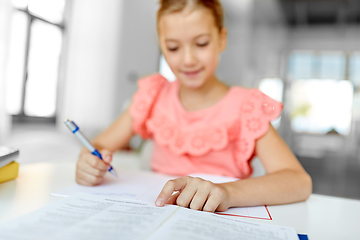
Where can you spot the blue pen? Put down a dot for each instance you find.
(76, 130)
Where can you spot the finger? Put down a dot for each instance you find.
(82, 182)
(96, 162)
(86, 167)
(168, 189)
(93, 171)
(201, 196)
(106, 156)
(172, 199)
(90, 179)
(187, 194)
(87, 179)
(215, 198)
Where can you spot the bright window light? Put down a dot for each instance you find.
(354, 70)
(313, 65)
(320, 106)
(50, 10)
(21, 4)
(301, 65)
(273, 87)
(332, 65)
(165, 70)
(43, 69)
(321, 100)
(16, 61)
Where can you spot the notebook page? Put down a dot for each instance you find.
(190, 224)
(146, 186)
(131, 185)
(85, 216)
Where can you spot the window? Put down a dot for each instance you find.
(321, 94)
(35, 47)
(354, 70)
(354, 75)
(321, 106)
(16, 62)
(273, 87)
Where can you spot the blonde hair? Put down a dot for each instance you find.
(172, 6)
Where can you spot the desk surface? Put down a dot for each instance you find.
(321, 217)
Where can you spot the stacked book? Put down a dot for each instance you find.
(8, 167)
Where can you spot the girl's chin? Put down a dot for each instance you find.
(192, 84)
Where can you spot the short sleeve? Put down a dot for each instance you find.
(143, 102)
(257, 111)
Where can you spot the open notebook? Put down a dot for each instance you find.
(146, 186)
(85, 216)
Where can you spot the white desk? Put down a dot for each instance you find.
(321, 217)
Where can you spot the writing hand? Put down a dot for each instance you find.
(195, 193)
(90, 170)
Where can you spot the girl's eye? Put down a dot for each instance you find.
(203, 44)
(172, 49)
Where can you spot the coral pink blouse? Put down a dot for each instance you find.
(216, 140)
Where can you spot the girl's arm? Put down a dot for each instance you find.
(285, 182)
(90, 170)
(117, 135)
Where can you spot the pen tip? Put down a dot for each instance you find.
(113, 172)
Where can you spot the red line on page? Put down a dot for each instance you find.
(268, 212)
(243, 216)
(234, 215)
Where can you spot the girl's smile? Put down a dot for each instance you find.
(192, 74)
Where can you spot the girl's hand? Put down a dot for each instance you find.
(90, 169)
(196, 193)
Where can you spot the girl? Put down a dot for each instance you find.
(199, 124)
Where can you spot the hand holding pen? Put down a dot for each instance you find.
(91, 167)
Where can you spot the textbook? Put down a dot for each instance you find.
(7, 155)
(8, 168)
(9, 172)
(86, 216)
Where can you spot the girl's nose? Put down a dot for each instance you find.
(189, 57)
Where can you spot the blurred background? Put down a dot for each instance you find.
(80, 59)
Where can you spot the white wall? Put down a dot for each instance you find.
(270, 40)
(108, 45)
(233, 66)
(139, 49)
(91, 48)
(5, 123)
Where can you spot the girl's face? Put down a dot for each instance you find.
(191, 44)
